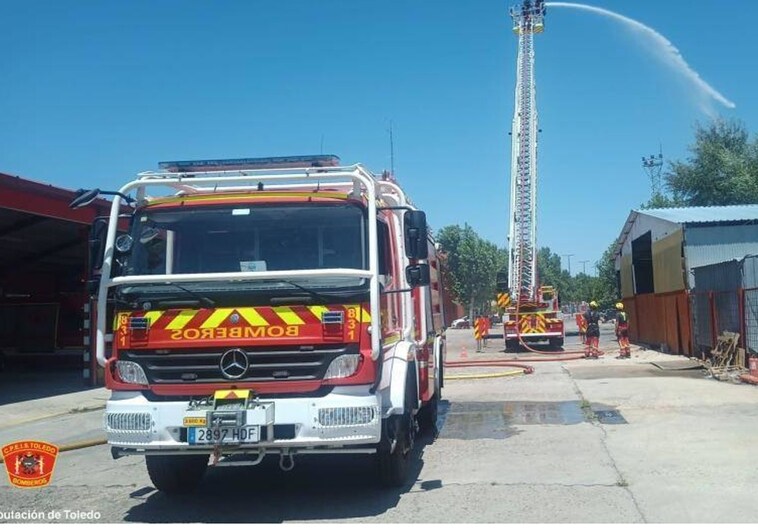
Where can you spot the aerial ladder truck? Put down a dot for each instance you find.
(531, 309)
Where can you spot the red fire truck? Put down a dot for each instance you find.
(262, 307)
(534, 321)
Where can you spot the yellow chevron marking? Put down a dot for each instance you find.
(217, 317)
(363, 315)
(318, 310)
(181, 320)
(153, 316)
(288, 316)
(252, 316)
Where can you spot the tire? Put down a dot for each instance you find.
(512, 345)
(393, 465)
(176, 474)
(427, 417)
(556, 342)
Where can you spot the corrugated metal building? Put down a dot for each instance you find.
(655, 255)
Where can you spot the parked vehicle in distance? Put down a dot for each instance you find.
(463, 322)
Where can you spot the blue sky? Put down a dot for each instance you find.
(93, 92)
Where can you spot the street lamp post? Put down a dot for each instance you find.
(569, 261)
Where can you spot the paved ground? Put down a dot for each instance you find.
(581, 441)
(28, 396)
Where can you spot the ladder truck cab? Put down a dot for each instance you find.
(535, 321)
(266, 307)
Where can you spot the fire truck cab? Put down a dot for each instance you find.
(534, 321)
(266, 307)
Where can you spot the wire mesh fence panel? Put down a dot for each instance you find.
(751, 320)
(727, 311)
(701, 321)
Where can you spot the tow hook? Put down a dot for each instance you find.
(286, 461)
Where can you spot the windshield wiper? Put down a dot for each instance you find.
(315, 294)
(208, 303)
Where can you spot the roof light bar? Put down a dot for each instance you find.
(295, 161)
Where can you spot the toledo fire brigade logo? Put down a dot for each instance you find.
(30, 464)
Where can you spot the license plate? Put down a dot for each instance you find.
(245, 434)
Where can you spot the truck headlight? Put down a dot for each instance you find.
(130, 372)
(343, 366)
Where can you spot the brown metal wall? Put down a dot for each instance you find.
(658, 319)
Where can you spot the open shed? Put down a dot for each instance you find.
(43, 268)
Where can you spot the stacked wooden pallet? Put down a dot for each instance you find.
(727, 359)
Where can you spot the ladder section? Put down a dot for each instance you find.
(528, 20)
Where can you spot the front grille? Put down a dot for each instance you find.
(266, 364)
(132, 422)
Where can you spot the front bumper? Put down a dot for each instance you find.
(133, 424)
(540, 335)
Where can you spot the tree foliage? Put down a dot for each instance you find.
(607, 289)
(581, 287)
(471, 265)
(722, 169)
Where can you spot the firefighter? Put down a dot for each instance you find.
(592, 318)
(622, 332)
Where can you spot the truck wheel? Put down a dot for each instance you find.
(393, 463)
(512, 345)
(556, 342)
(176, 474)
(427, 417)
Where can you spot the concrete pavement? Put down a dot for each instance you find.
(19, 404)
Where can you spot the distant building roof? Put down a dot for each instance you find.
(710, 214)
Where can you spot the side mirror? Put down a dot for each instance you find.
(417, 275)
(97, 243)
(416, 243)
(84, 197)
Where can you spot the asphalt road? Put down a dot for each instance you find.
(582, 441)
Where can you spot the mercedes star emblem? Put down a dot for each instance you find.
(234, 364)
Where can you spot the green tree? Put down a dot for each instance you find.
(606, 291)
(549, 273)
(722, 168)
(661, 200)
(471, 265)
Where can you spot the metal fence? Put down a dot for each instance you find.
(750, 308)
(702, 322)
(716, 312)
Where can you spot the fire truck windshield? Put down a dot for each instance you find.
(220, 239)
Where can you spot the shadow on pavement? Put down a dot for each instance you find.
(319, 488)
(21, 385)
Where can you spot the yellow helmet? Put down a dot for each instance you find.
(619, 305)
(593, 304)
